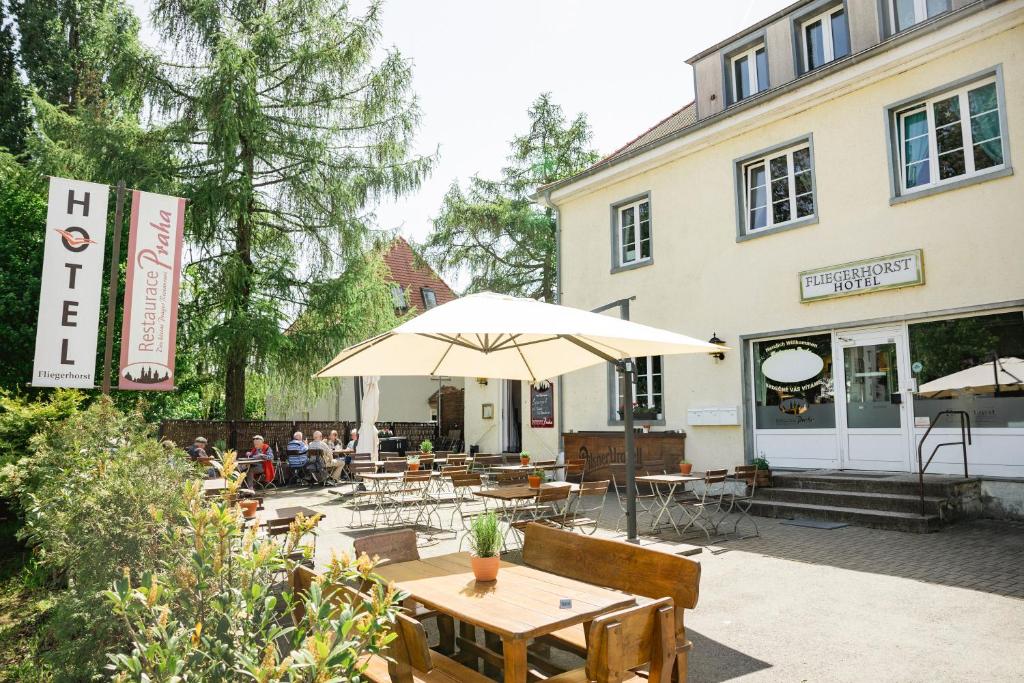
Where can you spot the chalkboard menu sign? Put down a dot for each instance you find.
(542, 405)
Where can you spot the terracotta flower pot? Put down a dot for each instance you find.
(534, 482)
(249, 508)
(524, 461)
(414, 466)
(685, 467)
(485, 568)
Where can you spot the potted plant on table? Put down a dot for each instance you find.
(524, 458)
(685, 467)
(763, 471)
(426, 446)
(413, 462)
(535, 478)
(485, 544)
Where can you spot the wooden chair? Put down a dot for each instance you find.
(511, 478)
(626, 640)
(574, 470)
(652, 573)
(740, 497)
(393, 547)
(588, 507)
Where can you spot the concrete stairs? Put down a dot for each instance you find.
(881, 500)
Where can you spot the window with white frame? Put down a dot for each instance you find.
(950, 137)
(826, 37)
(778, 188)
(398, 297)
(749, 72)
(647, 390)
(906, 13)
(633, 232)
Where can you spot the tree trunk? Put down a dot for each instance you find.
(238, 349)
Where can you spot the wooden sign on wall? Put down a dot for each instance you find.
(605, 452)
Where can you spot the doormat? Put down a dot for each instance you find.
(815, 524)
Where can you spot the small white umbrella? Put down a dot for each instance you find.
(370, 409)
(1003, 374)
(499, 336)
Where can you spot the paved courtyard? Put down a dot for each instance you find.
(804, 604)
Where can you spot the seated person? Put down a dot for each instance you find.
(198, 449)
(353, 441)
(260, 451)
(322, 449)
(299, 461)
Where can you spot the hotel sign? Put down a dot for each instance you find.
(905, 269)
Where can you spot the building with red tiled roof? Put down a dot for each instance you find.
(416, 286)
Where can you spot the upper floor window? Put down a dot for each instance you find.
(778, 188)
(906, 13)
(398, 297)
(826, 37)
(429, 298)
(749, 73)
(634, 232)
(950, 137)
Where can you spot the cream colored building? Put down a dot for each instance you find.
(840, 207)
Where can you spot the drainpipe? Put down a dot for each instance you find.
(560, 386)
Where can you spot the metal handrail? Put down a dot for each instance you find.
(964, 442)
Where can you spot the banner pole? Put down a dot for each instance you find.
(115, 267)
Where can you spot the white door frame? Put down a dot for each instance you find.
(846, 338)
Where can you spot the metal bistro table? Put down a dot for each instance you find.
(523, 604)
(665, 486)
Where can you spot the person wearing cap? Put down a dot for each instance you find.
(198, 449)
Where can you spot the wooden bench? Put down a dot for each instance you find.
(621, 566)
(413, 661)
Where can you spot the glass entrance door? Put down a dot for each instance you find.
(875, 419)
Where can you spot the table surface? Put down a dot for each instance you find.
(292, 513)
(517, 492)
(670, 478)
(390, 476)
(523, 603)
(248, 461)
(521, 468)
(215, 484)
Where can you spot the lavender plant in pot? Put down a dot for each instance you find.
(485, 545)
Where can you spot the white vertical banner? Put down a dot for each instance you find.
(69, 298)
(150, 329)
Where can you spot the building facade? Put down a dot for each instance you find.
(838, 205)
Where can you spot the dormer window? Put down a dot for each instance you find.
(429, 297)
(906, 13)
(826, 37)
(749, 72)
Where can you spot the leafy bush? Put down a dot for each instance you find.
(22, 417)
(88, 488)
(208, 613)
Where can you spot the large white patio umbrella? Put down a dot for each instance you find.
(370, 409)
(1002, 374)
(505, 337)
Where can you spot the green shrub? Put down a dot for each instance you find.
(208, 613)
(22, 417)
(97, 493)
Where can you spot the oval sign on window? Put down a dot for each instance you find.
(792, 365)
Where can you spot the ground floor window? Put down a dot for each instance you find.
(974, 364)
(647, 390)
(793, 383)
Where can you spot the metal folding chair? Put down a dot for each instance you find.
(739, 498)
(705, 504)
(587, 507)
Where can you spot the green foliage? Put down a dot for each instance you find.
(21, 418)
(493, 229)
(97, 493)
(14, 115)
(484, 536)
(288, 125)
(427, 446)
(524, 456)
(207, 613)
(760, 463)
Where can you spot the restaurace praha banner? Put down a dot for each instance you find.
(69, 297)
(150, 326)
(72, 280)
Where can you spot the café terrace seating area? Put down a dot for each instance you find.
(561, 608)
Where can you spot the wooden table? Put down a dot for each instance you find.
(290, 513)
(522, 604)
(215, 485)
(528, 468)
(665, 486)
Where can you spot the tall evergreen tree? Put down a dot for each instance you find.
(288, 128)
(14, 116)
(493, 228)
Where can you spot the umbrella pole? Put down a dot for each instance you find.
(625, 369)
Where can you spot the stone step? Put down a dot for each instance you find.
(876, 519)
(902, 484)
(886, 502)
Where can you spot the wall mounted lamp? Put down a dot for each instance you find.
(717, 355)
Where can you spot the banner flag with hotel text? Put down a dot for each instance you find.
(72, 280)
(150, 329)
